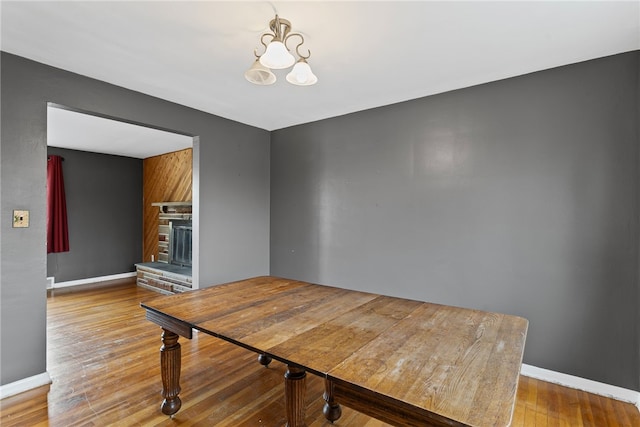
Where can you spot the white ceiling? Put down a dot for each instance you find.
(77, 131)
(365, 54)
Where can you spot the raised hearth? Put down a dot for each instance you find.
(163, 277)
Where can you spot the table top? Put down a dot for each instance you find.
(458, 363)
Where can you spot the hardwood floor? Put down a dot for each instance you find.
(104, 361)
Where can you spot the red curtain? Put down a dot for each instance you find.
(57, 228)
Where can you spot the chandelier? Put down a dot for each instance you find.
(277, 56)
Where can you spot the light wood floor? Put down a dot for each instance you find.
(104, 360)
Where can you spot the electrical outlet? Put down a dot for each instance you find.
(20, 219)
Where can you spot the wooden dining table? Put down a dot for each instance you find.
(405, 362)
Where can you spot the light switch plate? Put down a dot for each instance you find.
(20, 219)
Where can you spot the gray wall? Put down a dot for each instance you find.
(104, 212)
(231, 193)
(638, 191)
(519, 196)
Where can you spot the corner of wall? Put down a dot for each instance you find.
(25, 384)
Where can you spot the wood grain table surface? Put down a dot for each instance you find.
(403, 361)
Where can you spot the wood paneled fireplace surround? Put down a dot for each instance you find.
(171, 272)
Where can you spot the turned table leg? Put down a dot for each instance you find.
(170, 371)
(294, 395)
(331, 410)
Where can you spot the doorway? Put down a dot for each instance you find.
(103, 171)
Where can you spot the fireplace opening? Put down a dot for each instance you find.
(180, 237)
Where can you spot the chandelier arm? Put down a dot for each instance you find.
(255, 51)
(298, 45)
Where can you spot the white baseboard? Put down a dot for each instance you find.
(24, 384)
(595, 387)
(93, 280)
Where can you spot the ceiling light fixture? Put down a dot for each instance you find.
(276, 57)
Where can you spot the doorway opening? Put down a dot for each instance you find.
(109, 196)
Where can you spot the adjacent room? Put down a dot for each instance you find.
(478, 156)
(110, 215)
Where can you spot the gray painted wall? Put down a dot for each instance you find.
(638, 195)
(519, 196)
(104, 212)
(231, 193)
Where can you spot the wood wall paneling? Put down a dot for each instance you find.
(166, 178)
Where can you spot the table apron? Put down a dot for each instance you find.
(171, 324)
(386, 409)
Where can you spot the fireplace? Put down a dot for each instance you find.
(170, 272)
(180, 232)
(175, 233)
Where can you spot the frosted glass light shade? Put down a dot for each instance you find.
(259, 74)
(277, 56)
(301, 75)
